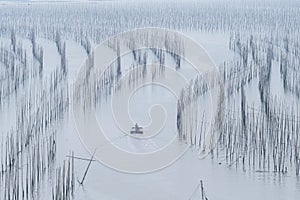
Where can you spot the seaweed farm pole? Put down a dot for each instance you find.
(87, 168)
(73, 175)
